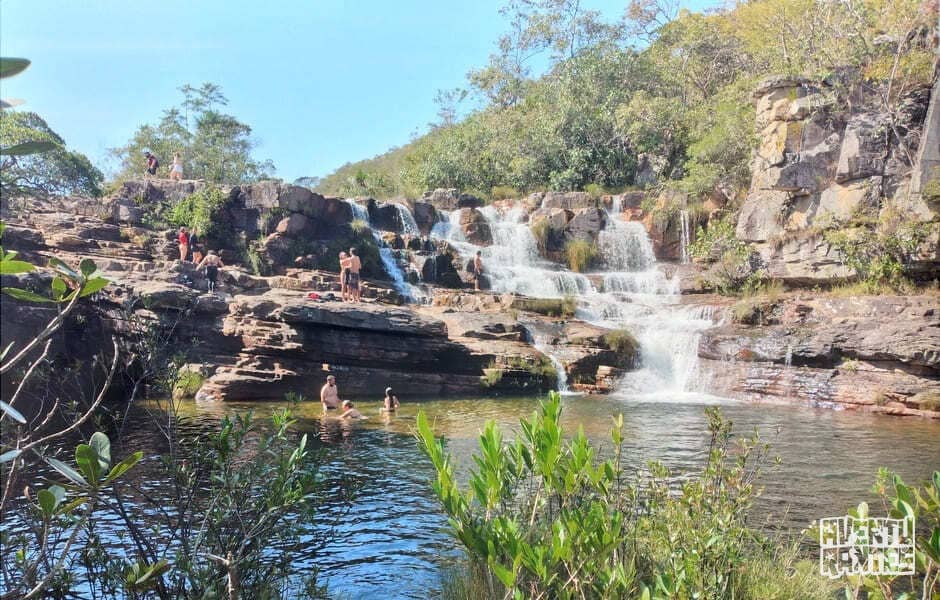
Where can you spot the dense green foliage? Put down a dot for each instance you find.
(659, 96)
(200, 211)
(57, 172)
(880, 251)
(546, 516)
(213, 145)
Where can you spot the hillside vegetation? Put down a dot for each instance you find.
(657, 96)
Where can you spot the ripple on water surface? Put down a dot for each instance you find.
(391, 541)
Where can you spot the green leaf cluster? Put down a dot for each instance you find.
(551, 515)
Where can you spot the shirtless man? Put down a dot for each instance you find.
(355, 265)
(477, 270)
(329, 394)
(344, 276)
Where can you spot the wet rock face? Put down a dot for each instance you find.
(860, 352)
(585, 224)
(475, 227)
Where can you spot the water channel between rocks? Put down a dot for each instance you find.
(394, 542)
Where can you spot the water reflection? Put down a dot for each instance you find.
(393, 541)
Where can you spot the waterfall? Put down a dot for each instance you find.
(408, 224)
(685, 235)
(389, 261)
(634, 293)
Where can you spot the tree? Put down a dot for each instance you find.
(57, 172)
(213, 145)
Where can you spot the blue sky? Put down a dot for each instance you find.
(321, 82)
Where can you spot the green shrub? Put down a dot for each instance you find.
(621, 341)
(541, 231)
(201, 210)
(550, 307)
(580, 255)
(504, 192)
(546, 517)
(881, 253)
(187, 384)
(492, 375)
(359, 226)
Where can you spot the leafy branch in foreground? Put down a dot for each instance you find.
(546, 517)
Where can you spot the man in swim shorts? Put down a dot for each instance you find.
(355, 265)
(329, 394)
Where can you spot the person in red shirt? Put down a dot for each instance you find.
(184, 244)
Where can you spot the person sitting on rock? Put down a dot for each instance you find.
(329, 394)
(212, 262)
(355, 265)
(349, 412)
(152, 163)
(391, 401)
(183, 240)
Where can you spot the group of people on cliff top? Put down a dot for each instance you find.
(176, 169)
(191, 247)
(329, 398)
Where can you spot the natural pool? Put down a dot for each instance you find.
(393, 542)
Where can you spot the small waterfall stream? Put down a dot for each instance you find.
(635, 294)
(410, 292)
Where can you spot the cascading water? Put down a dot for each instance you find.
(387, 254)
(408, 224)
(636, 295)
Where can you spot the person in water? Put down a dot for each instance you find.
(355, 265)
(344, 276)
(329, 394)
(212, 263)
(391, 401)
(349, 412)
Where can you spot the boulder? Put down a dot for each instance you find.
(450, 199)
(475, 227)
(293, 225)
(425, 216)
(566, 200)
(649, 169)
(839, 203)
(557, 217)
(586, 224)
(126, 211)
(152, 191)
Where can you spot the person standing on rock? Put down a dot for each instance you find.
(183, 239)
(355, 265)
(152, 163)
(344, 276)
(212, 262)
(329, 394)
(477, 270)
(195, 245)
(176, 171)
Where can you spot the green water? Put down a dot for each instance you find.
(393, 542)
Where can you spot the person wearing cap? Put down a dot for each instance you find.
(391, 401)
(329, 394)
(349, 412)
